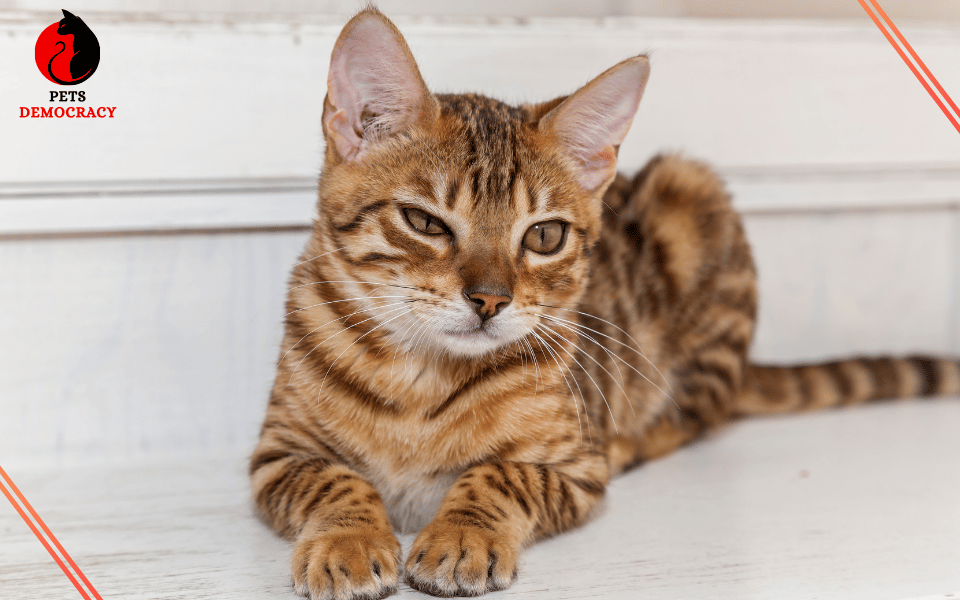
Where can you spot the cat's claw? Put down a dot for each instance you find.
(355, 565)
(455, 560)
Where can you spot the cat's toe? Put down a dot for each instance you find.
(359, 565)
(460, 561)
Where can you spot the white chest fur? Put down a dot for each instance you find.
(412, 499)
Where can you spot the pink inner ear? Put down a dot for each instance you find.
(371, 70)
(599, 169)
(339, 126)
(593, 122)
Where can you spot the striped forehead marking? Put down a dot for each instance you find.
(489, 131)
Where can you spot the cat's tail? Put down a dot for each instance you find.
(50, 68)
(771, 389)
(50, 64)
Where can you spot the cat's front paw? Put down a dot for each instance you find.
(458, 560)
(359, 564)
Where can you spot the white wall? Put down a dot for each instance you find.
(141, 280)
(939, 10)
(133, 346)
(228, 98)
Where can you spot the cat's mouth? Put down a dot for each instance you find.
(479, 340)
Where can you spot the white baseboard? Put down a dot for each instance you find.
(67, 208)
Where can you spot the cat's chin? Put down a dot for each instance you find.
(470, 343)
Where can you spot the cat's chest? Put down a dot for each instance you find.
(413, 452)
(410, 460)
(413, 462)
(412, 499)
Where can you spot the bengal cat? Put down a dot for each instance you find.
(488, 322)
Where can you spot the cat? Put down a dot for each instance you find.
(86, 50)
(488, 322)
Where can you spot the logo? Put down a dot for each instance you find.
(67, 51)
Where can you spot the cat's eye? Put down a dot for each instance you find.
(425, 222)
(546, 237)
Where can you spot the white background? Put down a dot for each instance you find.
(143, 264)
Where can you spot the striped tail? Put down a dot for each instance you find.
(780, 389)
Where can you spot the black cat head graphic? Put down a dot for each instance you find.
(70, 23)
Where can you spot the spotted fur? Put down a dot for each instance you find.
(404, 399)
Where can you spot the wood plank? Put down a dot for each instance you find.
(858, 503)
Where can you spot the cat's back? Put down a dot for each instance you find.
(671, 265)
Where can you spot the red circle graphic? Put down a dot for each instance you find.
(67, 52)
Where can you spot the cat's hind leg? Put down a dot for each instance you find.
(666, 435)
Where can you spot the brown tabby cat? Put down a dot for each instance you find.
(488, 323)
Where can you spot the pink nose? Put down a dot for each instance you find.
(488, 305)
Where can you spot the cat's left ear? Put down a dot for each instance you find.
(591, 123)
(374, 88)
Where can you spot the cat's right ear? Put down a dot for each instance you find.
(374, 88)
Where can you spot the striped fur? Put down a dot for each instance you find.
(393, 409)
(673, 276)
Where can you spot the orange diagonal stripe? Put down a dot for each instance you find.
(40, 537)
(923, 82)
(909, 48)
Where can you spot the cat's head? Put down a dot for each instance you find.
(482, 215)
(70, 23)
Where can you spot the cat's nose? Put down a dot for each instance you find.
(488, 305)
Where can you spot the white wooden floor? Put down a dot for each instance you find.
(863, 503)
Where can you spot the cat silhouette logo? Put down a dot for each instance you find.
(67, 52)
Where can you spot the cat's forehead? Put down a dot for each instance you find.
(487, 144)
(485, 135)
(487, 120)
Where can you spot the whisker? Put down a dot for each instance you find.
(536, 365)
(319, 256)
(638, 350)
(544, 345)
(499, 360)
(582, 334)
(418, 342)
(612, 354)
(587, 354)
(416, 349)
(306, 261)
(324, 325)
(399, 344)
(523, 357)
(351, 346)
(341, 331)
(344, 300)
(405, 287)
(613, 419)
(390, 340)
(407, 357)
(610, 207)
